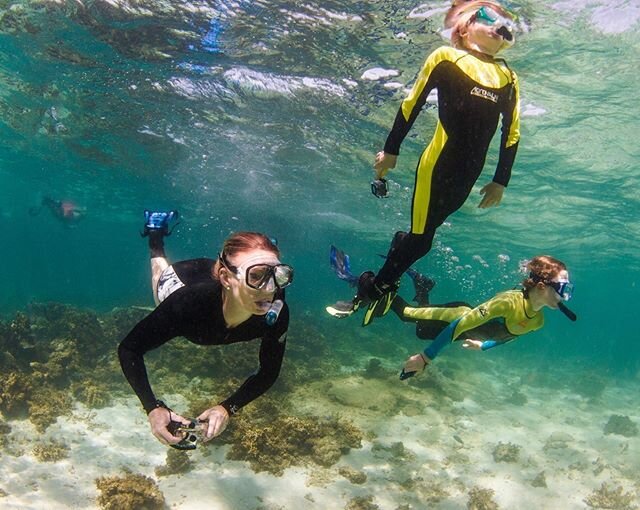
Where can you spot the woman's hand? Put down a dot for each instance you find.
(159, 419)
(384, 162)
(416, 363)
(217, 418)
(474, 345)
(492, 195)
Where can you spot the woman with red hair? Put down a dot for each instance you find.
(236, 297)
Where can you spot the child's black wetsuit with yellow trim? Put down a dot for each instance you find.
(473, 92)
(504, 317)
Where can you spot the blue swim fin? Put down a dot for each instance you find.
(341, 264)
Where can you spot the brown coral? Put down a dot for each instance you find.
(612, 499)
(481, 499)
(129, 492)
(506, 452)
(621, 425)
(177, 462)
(361, 503)
(46, 405)
(15, 390)
(353, 475)
(288, 440)
(50, 452)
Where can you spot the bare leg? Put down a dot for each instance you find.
(158, 265)
(158, 261)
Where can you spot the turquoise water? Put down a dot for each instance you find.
(255, 127)
(254, 116)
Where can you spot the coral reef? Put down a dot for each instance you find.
(46, 405)
(129, 492)
(557, 441)
(283, 441)
(52, 451)
(375, 370)
(15, 390)
(353, 475)
(177, 462)
(506, 452)
(55, 351)
(397, 451)
(92, 394)
(540, 480)
(481, 499)
(430, 492)
(612, 499)
(621, 425)
(361, 503)
(5, 429)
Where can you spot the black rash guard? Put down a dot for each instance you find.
(195, 312)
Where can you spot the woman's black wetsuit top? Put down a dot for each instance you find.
(195, 312)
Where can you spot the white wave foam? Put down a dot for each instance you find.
(197, 89)
(608, 17)
(425, 11)
(377, 73)
(615, 19)
(268, 83)
(393, 85)
(530, 110)
(320, 15)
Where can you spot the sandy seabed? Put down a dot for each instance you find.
(546, 451)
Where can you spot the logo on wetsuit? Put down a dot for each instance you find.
(483, 311)
(484, 94)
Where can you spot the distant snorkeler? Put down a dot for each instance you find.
(475, 89)
(236, 297)
(503, 318)
(67, 211)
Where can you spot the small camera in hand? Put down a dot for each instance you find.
(379, 188)
(191, 433)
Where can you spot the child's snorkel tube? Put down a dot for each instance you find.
(568, 313)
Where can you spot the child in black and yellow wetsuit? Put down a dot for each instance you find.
(474, 90)
(502, 318)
